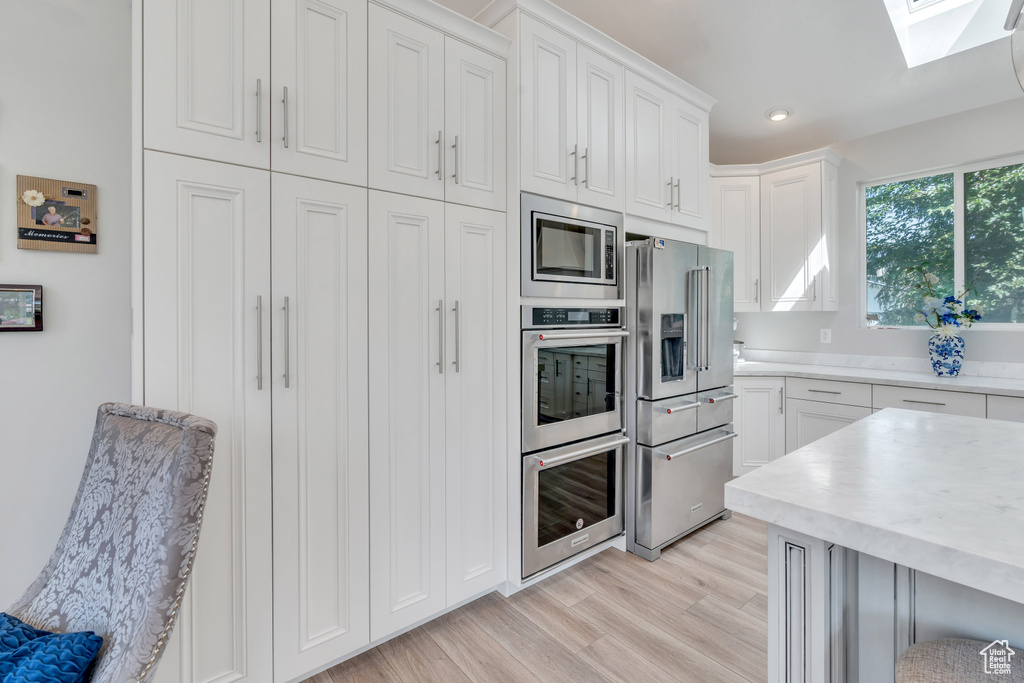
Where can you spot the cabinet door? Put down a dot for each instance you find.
(207, 351)
(548, 111)
(736, 227)
(319, 128)
(321, 456)
(207, 74)
(1005, 408)
(600, 129)
(407, 420)
(690, 164)
(760, 422)
(648, 182)
(474, 126)
(475, 401)
(808, 421)
(791, 238)
(406, 105)
(828, 252)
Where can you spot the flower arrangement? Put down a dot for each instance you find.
(946, 315)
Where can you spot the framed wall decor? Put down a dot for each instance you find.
(21, 308)
(56, 215)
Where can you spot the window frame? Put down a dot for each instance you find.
(959, 234)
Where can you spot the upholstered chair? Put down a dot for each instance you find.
(954, 660)
(126, 553)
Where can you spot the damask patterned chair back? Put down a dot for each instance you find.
(125, 556)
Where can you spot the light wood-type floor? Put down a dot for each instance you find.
(697, 614)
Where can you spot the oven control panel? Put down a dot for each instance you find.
(545, 317)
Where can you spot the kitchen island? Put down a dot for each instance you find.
(899, 528)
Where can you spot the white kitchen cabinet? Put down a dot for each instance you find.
(1006, 408)
(760, 421)
(808, 421)
(475, 403)
(318, 92)
(474, 126)
(207, 75)
(320, 426)
(407, 411)
(736, 217)
(406, 105)
(600, 130)
(688, 156)
(207, 351)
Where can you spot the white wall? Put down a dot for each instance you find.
(65, 113)
(975, 135)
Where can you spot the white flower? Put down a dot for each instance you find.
(931, 279)
(955, 307)
(919, 318)
(977, 309)
(33, 197)
(932, 302)
(947, 331)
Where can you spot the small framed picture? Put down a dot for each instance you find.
(21, 308)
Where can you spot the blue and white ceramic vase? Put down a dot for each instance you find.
(947, 354)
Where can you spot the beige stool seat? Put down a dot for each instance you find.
(954, 660)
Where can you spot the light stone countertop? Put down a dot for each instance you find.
(941, 494)
(1003, 386)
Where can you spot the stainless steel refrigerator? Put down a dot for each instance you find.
(679, 391)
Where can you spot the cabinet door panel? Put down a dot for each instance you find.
(736, 220)
(808, 421)
(791, 238)
(475, 112)
(760, 422)
(321, 458)
(547, 110)
(203, 60)
(207, 259)
(600, 129)
(1006, 408)
(689, 164)
(647, 162)
(407, 421)
(406, 105)
(320, 57)
(475, 407)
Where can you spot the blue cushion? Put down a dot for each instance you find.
(28, 654)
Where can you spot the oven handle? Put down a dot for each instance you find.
(582, 453)
(582, 335)
(691, 449)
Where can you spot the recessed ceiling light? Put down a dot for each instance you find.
(778, 114)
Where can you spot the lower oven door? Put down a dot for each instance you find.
(572, 386)
(572, 500)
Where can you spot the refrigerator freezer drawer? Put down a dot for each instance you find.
(682, 484)
(715, 408)
(659, 422)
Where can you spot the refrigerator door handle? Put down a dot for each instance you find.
(693, 306)
(706, 322)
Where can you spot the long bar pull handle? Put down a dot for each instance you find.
(671, 185)
(727, 397)
(706, 311)
(458, 336)
(439, 154)
(825, 391)
(456, 148)
(545, 336)
(679, 196)
(814, 287)
(780, 400)
(284, 101)
(691, 449)
(586, 167)
(671, 410)
(287, 334)
(757, 290)
(927, 403)
(259, 110)
(440, 336)
(259, 343)
(575, 154)
(576, 455)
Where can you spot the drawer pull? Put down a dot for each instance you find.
(691, 449)
(927, 403)
(825, 391)
(679, 409)
(727, 397)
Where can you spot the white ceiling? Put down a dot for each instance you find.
(836, 64)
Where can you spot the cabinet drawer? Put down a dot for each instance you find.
(598, 363)
(829, 391)
(808, 421)
(930, 400)
(665, 420)
(1006, 408)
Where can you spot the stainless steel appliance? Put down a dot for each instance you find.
(570, 250)
(572, 500)
(679, 390)
(572, 374)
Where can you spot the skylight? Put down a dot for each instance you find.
(933, 29)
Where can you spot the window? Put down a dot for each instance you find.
(967, 224)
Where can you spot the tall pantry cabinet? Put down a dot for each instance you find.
(344, 338)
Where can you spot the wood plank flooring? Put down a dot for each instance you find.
(697, 614)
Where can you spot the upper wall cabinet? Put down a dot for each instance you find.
(318, 97)
(666, 155)
(736, 217)
(430, 138)
(571, 108)
(207, 75)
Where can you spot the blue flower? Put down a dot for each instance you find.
(949, 319)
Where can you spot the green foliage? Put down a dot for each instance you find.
(994, 231)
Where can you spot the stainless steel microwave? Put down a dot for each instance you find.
(570, 250)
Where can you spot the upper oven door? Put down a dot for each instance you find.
(572, 385)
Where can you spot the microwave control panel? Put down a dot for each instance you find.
(540, 316)
(609, 256)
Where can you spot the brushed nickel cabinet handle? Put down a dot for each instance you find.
(440, 336)
(780, 400)
(824, 391)
(671, 185)
(458, 335)
(439, 154)
(259, 343)
(586, 167)
(259, 110)
(757, 290)
(679, 196)
(284, 100)
(575, 154)
(927, 403)
(456, 148)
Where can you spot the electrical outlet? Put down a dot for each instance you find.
(826, 335)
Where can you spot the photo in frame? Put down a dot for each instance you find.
(21, 308)
(56, 215)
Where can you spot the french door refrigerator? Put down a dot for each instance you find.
(679, 308)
